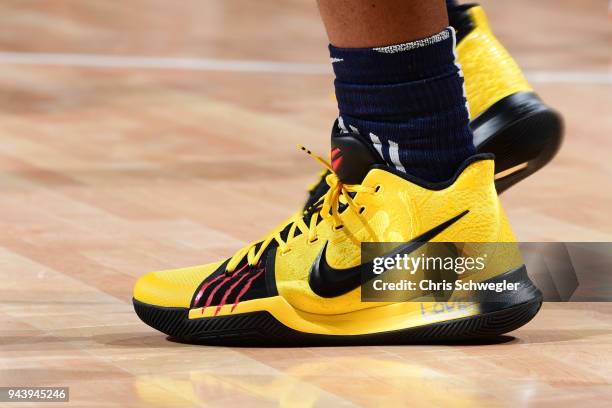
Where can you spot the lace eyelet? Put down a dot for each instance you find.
(312, 241)
(378, 189)
(285, 251)
(338, 227)
(362, 210)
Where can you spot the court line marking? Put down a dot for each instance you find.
(249, 66)
(190, 64)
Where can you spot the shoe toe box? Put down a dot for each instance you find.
(172, 288)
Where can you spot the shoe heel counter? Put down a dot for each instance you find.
(505, 232)
(486, 229)
(485, 232)
(489, 208)
(490, 72)
(476, 192)
(501, 251)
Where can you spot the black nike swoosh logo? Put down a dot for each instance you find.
(328, 282)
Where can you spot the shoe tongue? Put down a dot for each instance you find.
(351, 157)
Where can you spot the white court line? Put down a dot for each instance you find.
(584, 77)
(191, 64)
(253, 66)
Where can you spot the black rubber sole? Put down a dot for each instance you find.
(262, 329)
(521, 131)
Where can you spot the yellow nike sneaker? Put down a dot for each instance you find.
(508, 119)
(306, 282)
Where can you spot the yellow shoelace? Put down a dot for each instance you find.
(326, 207)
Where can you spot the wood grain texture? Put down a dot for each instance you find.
(106, 173)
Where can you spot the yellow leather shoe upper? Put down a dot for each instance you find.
(172, 288)
(490, 72)
(398, 212)
(385, 208)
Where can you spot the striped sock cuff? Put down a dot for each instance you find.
(395, 63)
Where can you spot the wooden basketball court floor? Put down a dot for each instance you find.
(145, 135)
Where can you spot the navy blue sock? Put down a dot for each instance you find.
(451, 3)
(408, 100)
